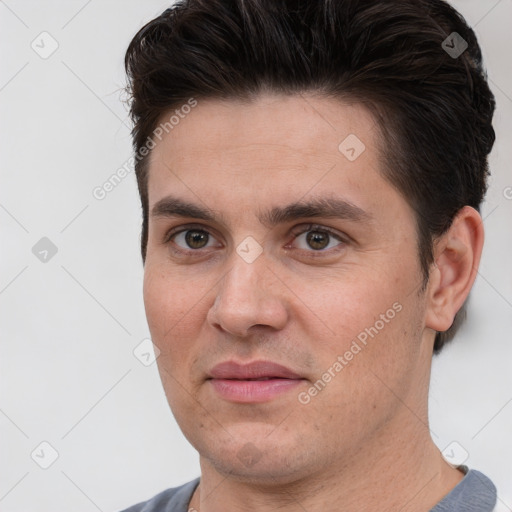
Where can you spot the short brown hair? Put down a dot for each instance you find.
(434, 107)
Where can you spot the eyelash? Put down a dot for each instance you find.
(299, 230)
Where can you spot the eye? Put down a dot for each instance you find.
(318, 238)
(191, 239)
(310, 238)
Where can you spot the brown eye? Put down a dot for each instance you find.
(191, 239)
(317, 240)
(196, 239)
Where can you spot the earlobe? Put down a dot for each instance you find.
(457, 256)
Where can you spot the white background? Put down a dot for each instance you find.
(69, 326)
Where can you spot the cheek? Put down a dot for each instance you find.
(172, 311)
(364, 380)
(349, 305)
(373, 326)
(172, 305)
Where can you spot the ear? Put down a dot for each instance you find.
(456, 258)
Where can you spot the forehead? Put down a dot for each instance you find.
(303, 123)
(274, 149)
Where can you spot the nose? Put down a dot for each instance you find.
(249, 295)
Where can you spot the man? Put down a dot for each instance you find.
(311, 175)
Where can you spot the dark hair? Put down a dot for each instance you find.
(433, 106)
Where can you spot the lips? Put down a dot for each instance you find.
(256, 370)
(255, 382)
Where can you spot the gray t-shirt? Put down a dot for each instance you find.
(474, 493)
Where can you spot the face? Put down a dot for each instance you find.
(281, 286)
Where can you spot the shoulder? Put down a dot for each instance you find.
(474, 493)
(170, 500)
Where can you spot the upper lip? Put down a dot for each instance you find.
(253, 370)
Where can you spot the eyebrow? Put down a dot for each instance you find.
(321, 207)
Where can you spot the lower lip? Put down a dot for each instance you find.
(253, 391)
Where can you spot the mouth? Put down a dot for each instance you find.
(255, 382)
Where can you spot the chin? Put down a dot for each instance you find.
(264, 472)
(260, 458)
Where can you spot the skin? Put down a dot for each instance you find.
(363, 441)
